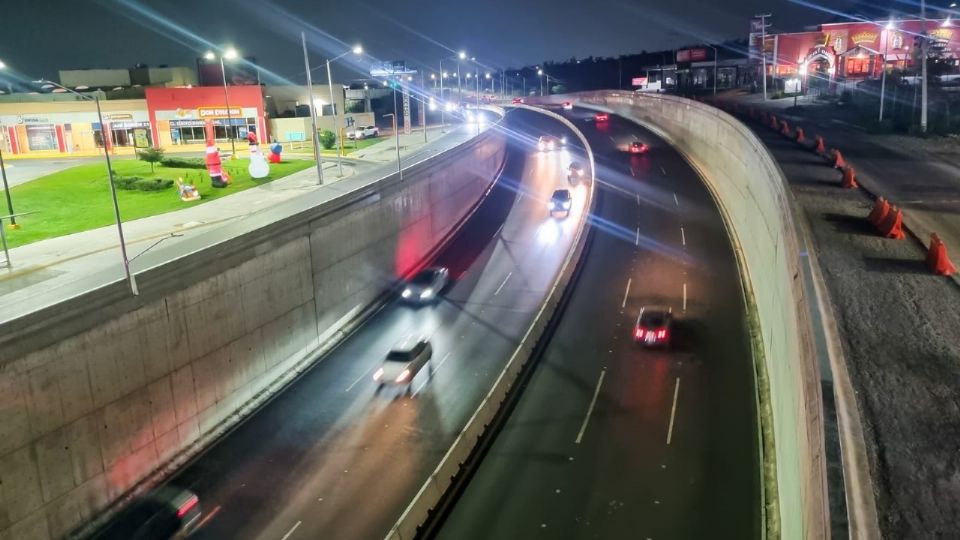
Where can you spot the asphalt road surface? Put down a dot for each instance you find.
(611, 440)
(330, 458)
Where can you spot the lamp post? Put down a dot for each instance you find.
(358, 50)
(714, 70)
(883, 76)
(540, 76)
(229, 54)
(131, 279)
(6, 187)
(313, 112)
(923, 66)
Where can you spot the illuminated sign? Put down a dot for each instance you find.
(119, 116)
(691, 55)
(864, 37)
(942, 33)
(218, 112)
(393, 67)
(639, 81)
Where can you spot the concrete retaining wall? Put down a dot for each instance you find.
(754, 199)
(102, 393)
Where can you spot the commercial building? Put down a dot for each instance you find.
(837, 54)
(178, 115)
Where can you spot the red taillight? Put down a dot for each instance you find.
(661, 334)
(638, 333)
(187, 506)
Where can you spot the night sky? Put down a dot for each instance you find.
(39, 37)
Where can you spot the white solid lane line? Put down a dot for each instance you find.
(435, 370)
(626, 293)
(638, 235)
(593, 403)
(502, 284)
(673, 410)
(664, 171)
(291, 531)
(684, 296)
(683, 236)
(675, 201)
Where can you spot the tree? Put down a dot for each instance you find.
(151, 155)
(327, 139)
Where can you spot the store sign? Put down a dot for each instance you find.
(187, 123)
(639, 81)
(407, 128)
(140, 139)
(123, 125)
(691, 55)
(393, 67)
(942, 33)
(864, 37)
(119, 116)
(218, 112)
(32, 120)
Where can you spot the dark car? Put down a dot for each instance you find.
(638, 147)
(601, 117)
(575, 172)
(426, 285)
(560, 201)
(167, 513)
(654, 326)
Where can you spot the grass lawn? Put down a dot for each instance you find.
(78, 199)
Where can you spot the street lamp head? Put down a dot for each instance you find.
(230, 53)
(462, 55)
(2, 65)
(539, 72)
(488, 75)
(433, 76)
(357, 49)
(890, 25)
(385, 83)
(209, 55)
(409, 78)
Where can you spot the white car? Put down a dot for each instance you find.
(426, 285)
(403, 363)
(547, 143)
(363, 132)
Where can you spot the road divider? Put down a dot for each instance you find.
(441, 479)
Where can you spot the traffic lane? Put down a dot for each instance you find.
(623, 479)
(252, 480)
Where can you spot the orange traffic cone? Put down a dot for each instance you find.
(818, 145)
(801, 139)
(838, 162)
(892, 224)
(774, 123)
(937, 258)
(785, 129)
(880, 210)
(849, 178)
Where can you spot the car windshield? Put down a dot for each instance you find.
(652, 319)
(425, 277)
(398, 356)
(561, 195)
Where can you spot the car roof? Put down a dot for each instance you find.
(652, 311)
(408, 344)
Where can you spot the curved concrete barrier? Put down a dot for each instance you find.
(752, 194)
(103, 394)
(430, 494)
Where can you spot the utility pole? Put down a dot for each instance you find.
(313, 112)
(763, 50)
(923, 66)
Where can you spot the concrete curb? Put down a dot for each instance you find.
(430, 494)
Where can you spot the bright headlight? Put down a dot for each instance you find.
(563, 140)
(403, 376)
(427, 293)
(406, 293)
(378, 374)
(566, 205)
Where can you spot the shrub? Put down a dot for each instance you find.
(151, 156)
(137, 183)
(184, 163)
(327, 139)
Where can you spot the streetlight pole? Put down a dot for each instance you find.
(423, 108)
(883, 66)
(229, 54)
(333, 105)
(396, 132)
(714, 70)
(6, 190)
(313, 112)
(540, 76)
(443, 102)
(763, 51)
(131, 279)
(923, 59)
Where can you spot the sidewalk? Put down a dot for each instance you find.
(920, 175)
(65, 266)
(897, 326)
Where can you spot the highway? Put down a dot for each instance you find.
(329, 458)
(610, 440)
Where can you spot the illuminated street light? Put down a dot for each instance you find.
(463, 55)
(230, 53)
(460, 56)
(358, 50)
(46, 84)
(883, 77)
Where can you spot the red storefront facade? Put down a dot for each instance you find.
(178, 115)
(851, 52)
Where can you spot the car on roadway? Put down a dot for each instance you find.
(575, 172)
(547, 143)
(426, 285)
(166, 513)
(560, 202)
(517, 100)
(601, 117)
(363, 132)
(638, 147)
(567, 106)
(403, 363)
(654, 327)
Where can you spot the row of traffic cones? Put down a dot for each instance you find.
(887, 218)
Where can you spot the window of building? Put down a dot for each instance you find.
(857, 66)
(838, 44)
(42, 137)
(898, 40)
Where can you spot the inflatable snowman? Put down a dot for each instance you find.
(258, 168)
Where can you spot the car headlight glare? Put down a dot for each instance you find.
(427, 293)
(406, 293)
